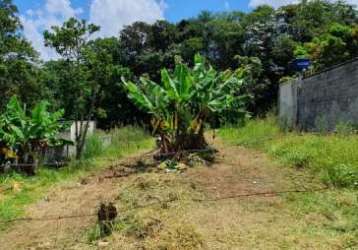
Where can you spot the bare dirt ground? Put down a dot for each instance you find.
(202, 208)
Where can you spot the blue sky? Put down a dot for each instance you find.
(175, 9)
(112, 15)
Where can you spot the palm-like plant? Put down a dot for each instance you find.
(28, 133)
(181, 105)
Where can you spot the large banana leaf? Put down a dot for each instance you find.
(185, 99)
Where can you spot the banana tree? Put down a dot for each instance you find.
(28, 134)
(182, 103)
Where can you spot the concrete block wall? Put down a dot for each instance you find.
(70, 134)
(323, 100)
(288, 104)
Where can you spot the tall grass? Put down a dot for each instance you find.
(17, 191)
(333, 156)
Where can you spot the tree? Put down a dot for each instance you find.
(102, 59)
(182, 104)
(18, 70)
(70, 41)
(337, 45)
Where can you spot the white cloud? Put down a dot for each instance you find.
(112, 15)
(275, 3)
(54, 12)
(279, 3)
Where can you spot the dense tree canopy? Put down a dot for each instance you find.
(18, 71)
(264, 40)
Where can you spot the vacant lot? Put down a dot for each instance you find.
(244, 200)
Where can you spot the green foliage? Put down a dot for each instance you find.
(70, 39)
(342, 175)
(87, 83)
(24, 135)
(253, 134)
(18, 71)
(94, 146)
(182, 104)
(71, 42)
(24, 132)
(333, 157)
(337, 44)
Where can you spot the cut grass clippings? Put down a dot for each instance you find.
(17, 191)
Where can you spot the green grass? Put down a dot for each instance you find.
(17, 191)
(334, 157)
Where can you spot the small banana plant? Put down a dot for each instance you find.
(25, 133)
(185, 99)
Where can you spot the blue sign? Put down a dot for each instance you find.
(301, 64)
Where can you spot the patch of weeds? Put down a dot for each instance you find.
(297, 159)
(345, 129)
(293, 156)
(94, 234)
(94, 146)
(342, 175)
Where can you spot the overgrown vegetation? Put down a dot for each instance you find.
(333, 156)
(324, 31)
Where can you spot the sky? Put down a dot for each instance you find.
(113, 15)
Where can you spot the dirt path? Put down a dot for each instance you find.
(80, 199)
(262, 222)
